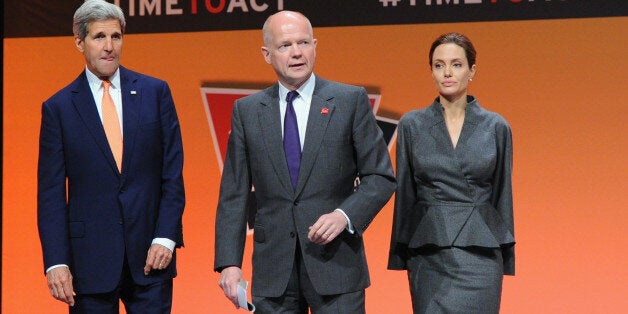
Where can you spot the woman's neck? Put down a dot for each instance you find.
(454, 107)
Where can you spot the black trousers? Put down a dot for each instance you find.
(455, 280)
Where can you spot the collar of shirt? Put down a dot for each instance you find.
(95, 83)
(305, 91)
(301, 105)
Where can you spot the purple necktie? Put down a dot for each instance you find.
(291, 142)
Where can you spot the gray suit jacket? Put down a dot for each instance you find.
(341, 143)
(453, 197)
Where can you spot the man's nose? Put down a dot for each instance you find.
(108, 44)
(296, 50)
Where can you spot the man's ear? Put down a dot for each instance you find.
(266, 54)
(79, 43)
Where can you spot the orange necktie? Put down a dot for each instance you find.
(111, 124)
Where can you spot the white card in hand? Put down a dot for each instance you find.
(242, 302)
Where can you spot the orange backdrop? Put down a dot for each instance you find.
(560, 83)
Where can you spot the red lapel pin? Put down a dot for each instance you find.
(324, 110)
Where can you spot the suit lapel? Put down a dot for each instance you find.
(131, 112)
(270, 121)
(83, 101)
(439, 128)
(469, 125)
(321, 111)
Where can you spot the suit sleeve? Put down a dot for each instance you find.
(405, 198)
(235, 189)
(169, 223)
(52, 211)
(502, 191)
(377, 181)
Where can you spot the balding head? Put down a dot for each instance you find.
(283, 18)
(289, 47)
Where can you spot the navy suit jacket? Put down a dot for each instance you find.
(89, 214)
(342, 142)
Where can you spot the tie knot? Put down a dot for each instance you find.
(291, 96)
(105, 85)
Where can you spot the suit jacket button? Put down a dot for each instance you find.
(296, 203)
(292, 235)
(121, 222)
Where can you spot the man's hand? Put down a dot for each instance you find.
(327, 228)
(60, 284)
(159, 257)
(229, 279)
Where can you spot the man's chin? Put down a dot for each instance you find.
(108, 72)
(299, 78)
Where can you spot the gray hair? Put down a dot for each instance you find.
(95, 10)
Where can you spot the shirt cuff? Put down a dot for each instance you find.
(349, 225)
(165, 242)
(55, 266)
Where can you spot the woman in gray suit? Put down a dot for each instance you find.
(453, 222)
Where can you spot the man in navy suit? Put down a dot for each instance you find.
(110, 218)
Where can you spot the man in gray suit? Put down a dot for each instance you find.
(308, 249)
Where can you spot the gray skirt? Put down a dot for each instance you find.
(455, 280)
